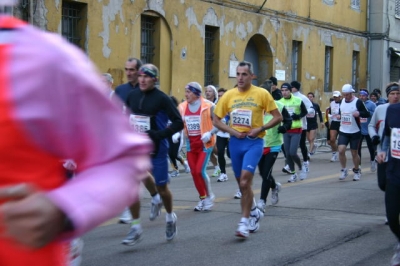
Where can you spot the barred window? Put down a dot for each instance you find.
(296, 60)
(209, 56)
(397, 9)
(355, 4)
(355, 70)
(73, 21)
(328, 69)
(147, 40)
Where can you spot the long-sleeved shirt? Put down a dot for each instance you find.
(53, 107)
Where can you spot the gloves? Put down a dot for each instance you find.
(175, 137)
(295, 117)
(282, 130)
(206, 137)
(376, 140)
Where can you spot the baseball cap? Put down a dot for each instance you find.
(336, 94)
(286, 86)
(347, 88)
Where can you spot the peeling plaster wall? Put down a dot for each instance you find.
(113, 35)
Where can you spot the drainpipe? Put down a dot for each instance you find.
(369, 45)
(258, 11)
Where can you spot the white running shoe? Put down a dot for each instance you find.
(199, 206)
(343, 174)
(334, 157)
(255, 216)
(242, 230)
(306, 166)
(303, 174)
(187, 168)
(261, 205)
(75, 252)
(222, 178)
(293, 178)
(238, 194)
(396, 257)
(171, 230)
(174, 173)
(155, 209)
(216, 173)
(373, 166)
(286, 169)
(208, 203)
(357, 175)
(125, 217)
(274, 193)
(133, 237)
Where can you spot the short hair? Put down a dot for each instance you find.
(378, 91)
(313, 95)
(274, 80)
(108, 77)
(374, 94)
(295, 84)
(248, 64)
(267, 85)
(221, 89)
(139, 63)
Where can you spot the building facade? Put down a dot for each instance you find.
(321, 43)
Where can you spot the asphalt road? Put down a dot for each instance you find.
(318, 221)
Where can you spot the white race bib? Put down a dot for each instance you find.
(140, 123)
(363, 120)
(395, 143)
(346, 119)
(193, 125)
(241, 118)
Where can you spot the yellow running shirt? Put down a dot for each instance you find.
(246, 109)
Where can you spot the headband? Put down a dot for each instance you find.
(149, 72)
(365, 93)
(394, 87)
(195, 90)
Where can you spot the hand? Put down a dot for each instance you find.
(376, 140)
(254, 132)
(381, 157)
(175, 137)
(322, 125)
(29, 217)
(295, 117)
(282, 129)
(206, 137)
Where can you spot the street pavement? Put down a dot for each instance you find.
(318, 221)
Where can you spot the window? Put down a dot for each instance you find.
(395, 66)
(147, 39)
(74, 22)
(355, 70)
(328, 69)
(296, 60)
(397, 9)
(355, 4)
(210, 56)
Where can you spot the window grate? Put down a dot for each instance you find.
(209, 57)
(355, 4)
(328, 69)
(70, 20)
(147, 40)
(397, 9)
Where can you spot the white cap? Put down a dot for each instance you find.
(336, 94)
(347, 88)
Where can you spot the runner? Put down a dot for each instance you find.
(212, 95)
(312, 123)
(334, 116)
(246, 104)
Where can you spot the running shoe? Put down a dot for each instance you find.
(75, 252)
(334, 157)
(396, 257)
(293, 178)
(208, 203)
(286, 169)
(242, 230)
(155, 209)
(199, 206)
(134, 236)
(261, 205)
(357, 174)
(303, 174)
(174, 173)
(306, 166)
(238, 194)
(187, 168)
(274, 193)
(222, 178)
(373, 166)
(125, 217)
(343, 174)
(216, 173)
(255, 216)
(171, 230)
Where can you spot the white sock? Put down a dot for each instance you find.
(156, 198)
(169, 217)
(244, 220)
(217, 167)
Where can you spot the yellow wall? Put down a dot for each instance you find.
(113, 35)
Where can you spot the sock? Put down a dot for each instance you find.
(136, 223)
(244, 220)
(156, 198)
(169, 217)
(217, 167)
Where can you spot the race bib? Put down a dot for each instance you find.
(140, 123)
(193, 125)
(395, 143)
(312, 115)
(241, 118)
(363, 120)
(346, 119)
